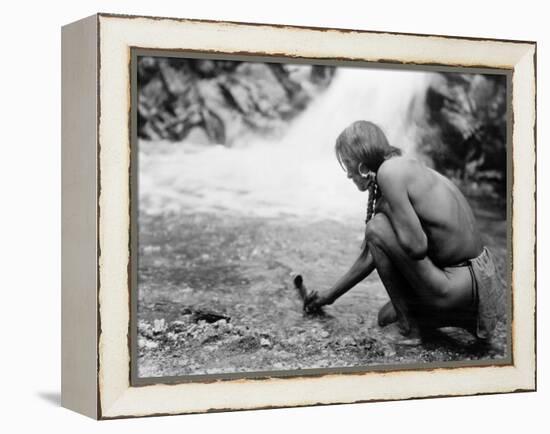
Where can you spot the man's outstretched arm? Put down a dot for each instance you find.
(361, 268)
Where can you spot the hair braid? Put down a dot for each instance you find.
(371, 205)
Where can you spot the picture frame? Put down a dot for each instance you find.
(98, 235)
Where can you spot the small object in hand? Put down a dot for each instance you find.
(306, 296)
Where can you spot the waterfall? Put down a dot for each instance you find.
(297, 175)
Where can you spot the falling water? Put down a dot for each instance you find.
(297, 175)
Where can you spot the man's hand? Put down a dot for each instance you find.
(314, 302)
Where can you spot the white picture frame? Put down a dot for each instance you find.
(96, 182)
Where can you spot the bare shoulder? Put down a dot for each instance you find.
(398, 170)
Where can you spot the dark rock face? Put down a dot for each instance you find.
(217, 101)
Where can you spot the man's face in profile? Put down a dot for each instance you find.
(359, 174)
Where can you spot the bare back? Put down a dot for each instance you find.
(444, 213)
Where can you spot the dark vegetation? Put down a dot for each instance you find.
(464, 131)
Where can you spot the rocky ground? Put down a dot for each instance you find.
(216, 296)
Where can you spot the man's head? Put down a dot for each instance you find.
(361, 149)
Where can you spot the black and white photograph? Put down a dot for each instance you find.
(295, 218)
(225, 217)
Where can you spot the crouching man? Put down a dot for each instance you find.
(420, 236)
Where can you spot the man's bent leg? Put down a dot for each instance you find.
(440, 291)
(401, 296)
(387, 314)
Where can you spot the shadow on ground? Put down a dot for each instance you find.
(52, 398)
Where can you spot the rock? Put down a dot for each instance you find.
(206, 68)
(176, 80)
(176, 327)
(244, 344)
(209, 316)
(150, 249)
(145, 329)
(210, 101)
(348, 341)
(159, 325)
(147, 344)
(197, 136)
(210, 339)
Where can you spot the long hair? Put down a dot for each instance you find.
(364, 142)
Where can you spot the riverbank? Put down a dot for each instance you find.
(215, 296)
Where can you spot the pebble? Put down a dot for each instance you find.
(151, 249)
(146, 343)
(324, 334)
(159, 325)
(348, 340)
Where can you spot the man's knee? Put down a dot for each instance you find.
(378, 229)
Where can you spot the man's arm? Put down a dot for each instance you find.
(361, 268)
(394, 179)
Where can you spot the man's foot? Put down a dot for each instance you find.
(396, 334)
(407, 327)
(387, 314)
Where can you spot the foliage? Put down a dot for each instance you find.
(464, 131)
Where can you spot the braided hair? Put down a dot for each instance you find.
(371, 203)
(364, 142)
(374, 194)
